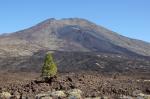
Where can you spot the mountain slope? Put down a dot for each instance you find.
(71, 34)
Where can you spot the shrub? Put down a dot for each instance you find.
(49, 69)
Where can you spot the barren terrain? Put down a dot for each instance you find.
(91, 83)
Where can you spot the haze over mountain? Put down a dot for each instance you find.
(72, 34)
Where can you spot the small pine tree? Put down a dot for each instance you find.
(49, 69)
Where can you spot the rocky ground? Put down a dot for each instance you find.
(86, 75)
(75, 61)
(78, 84)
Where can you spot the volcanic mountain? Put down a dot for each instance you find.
(70, 34)
(78, 44)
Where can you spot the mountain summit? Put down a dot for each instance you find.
(70, 34)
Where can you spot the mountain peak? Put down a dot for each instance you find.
(69, 21)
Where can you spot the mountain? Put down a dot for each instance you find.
(70, 34)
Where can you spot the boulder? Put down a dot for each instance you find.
(42, 95)
(47, 97)
(16, 95)
(5, 95)
(143, 96)
(104, 97)
(125, 97)
(58, 94)
(74, 94)
(136, 92)
(93, 98)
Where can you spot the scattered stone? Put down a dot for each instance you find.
(69, 79)
(148, 90)
(74, 97)
(73, 85)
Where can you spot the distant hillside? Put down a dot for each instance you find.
(72, 34)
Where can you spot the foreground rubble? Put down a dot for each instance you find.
(81, 85)
(70, 94)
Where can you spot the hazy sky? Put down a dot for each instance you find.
(127, 17)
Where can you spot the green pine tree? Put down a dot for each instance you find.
(49, 69)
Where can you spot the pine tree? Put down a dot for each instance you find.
(49, 69)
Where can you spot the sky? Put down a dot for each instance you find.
(130, 18)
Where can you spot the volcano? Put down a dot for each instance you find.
(70, 34)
